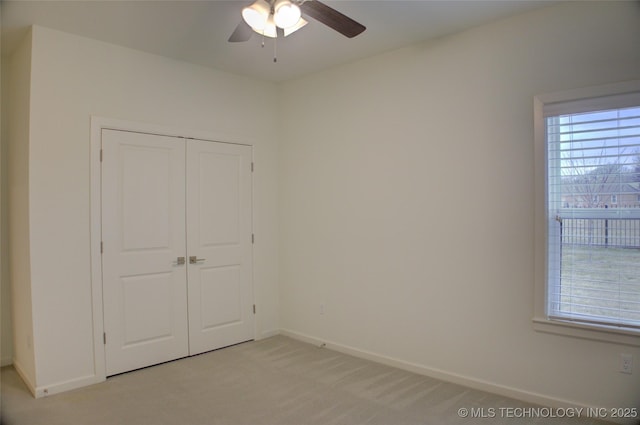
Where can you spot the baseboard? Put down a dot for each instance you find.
(60, 387)
(30, 385)
(71, 384)
(269, 334)
(478, 384)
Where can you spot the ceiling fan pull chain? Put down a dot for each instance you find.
(275, 49)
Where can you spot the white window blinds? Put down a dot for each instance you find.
(593, 193)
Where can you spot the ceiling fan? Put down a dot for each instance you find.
(271, 18)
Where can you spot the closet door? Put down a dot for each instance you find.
(143, 234)
(219, 245)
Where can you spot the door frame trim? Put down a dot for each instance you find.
(97, 124)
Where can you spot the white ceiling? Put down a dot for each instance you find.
(197, 31)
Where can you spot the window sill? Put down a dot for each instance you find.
(592, 332)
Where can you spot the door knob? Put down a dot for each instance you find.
(194, 259)
(179, 261)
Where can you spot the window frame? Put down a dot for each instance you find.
(541, 320)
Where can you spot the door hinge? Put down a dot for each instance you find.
(254, 309)
(252, 167)
(101, 247)
(100, 155)
(104, 338)
(253, 238)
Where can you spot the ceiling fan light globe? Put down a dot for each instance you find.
(257, 14)
(269, 29)
(286, 14)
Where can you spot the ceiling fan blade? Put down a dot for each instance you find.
(242, 32)
(332, 18)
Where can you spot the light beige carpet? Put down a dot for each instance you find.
(276, 381)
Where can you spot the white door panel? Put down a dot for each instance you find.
(223, 285)
(219, 236)
(219, 182)
(153, 291)
(143, 216)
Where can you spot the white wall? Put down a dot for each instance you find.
(74, 78)
(6, 333)
(17, 210)
(406, 198)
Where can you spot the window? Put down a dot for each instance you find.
(592, 234)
